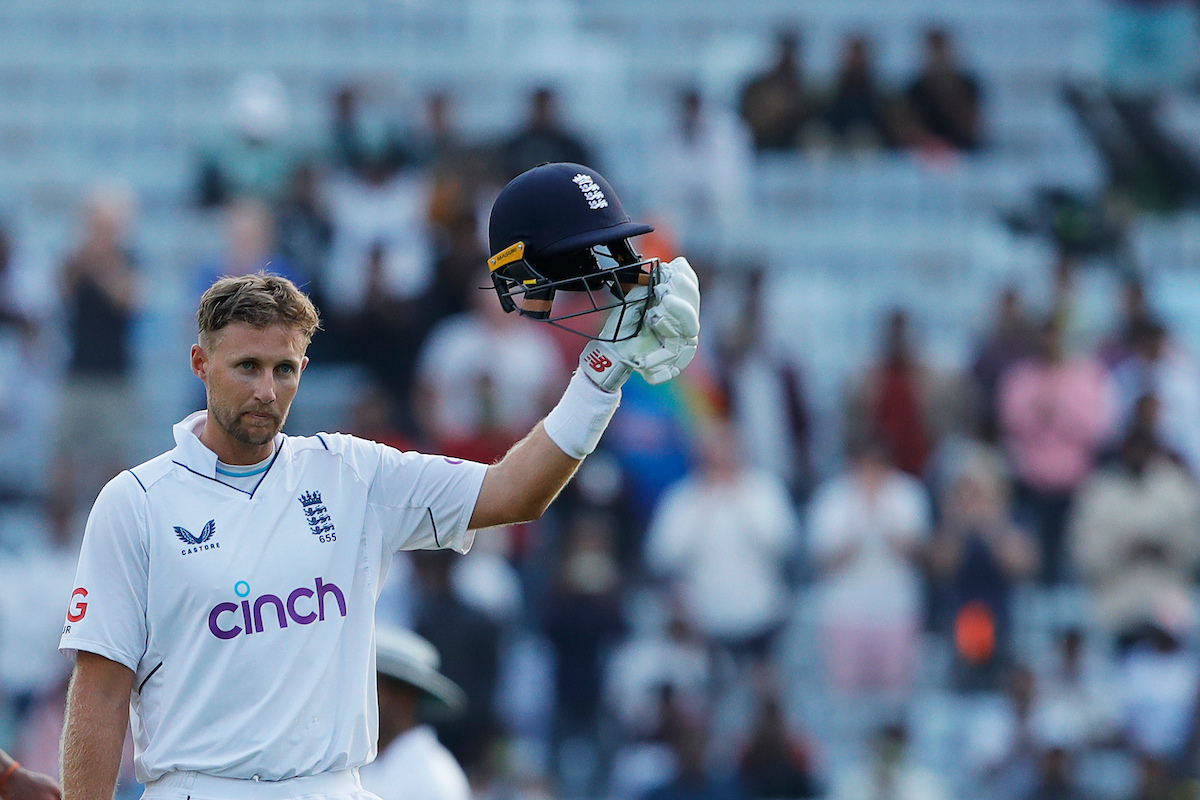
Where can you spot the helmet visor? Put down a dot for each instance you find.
(598, 282)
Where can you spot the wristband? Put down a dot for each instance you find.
(581, 416)
(8, 773)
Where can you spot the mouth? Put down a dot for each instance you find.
(260, 418)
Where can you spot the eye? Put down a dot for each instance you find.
(246, 365)
(287, 369)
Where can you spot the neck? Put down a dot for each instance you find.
(230, 450)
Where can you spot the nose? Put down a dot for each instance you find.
(264, 389)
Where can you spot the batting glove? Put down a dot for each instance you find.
(666, 343)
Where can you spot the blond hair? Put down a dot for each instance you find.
(260, 300)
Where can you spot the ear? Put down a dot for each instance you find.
(200, 362)
(303, 364)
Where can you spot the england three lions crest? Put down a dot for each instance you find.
(317, 516)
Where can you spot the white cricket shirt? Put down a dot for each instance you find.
(248, 616)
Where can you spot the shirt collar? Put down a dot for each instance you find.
(194, 454)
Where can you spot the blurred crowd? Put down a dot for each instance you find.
(712, 610)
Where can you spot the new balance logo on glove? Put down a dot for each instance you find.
(658, 342)
(597, 361)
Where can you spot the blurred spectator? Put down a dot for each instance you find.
(891, 772)
(35, 582)
(364, 138)
(464, 174)
(253, 157)
(695, 777)
(944, 100)
(1079, 682)
(380, 274)
(19, 302)
(29, 365)
(702, 173)
(1056, 779)
(651, 760)
(1147, 164)
(437, 141)
(909, 402)
(305, 231)
(723, 536)
(101, 295)
(483, 379)
(999, 750)
(544, 138)
(764, 391)
(977, 559)
(1158, 676)
(1132, 532)
(372, 415)
(458, 270)
(1135, 311)
(1156, 779)
(673, 657)
(650, 438)
(1056, 412)
(411, 763)
(859, 114)
(469, 643)
(583, 620)
(776, 104)
(868, 529)
(250, 246)
(1013, 337)
(1158, 365)
(1080, 325)
(777, 761)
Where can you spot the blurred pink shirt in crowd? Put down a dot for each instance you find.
(1055, 416)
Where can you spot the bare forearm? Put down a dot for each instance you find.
(521, 486)
(93, 737)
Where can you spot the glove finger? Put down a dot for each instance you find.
(679, 266)
(674, 317)
(657, 358)
(685, 356)
(680, 272)
(662, 375)
(679, 286)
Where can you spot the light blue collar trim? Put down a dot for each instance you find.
(262, 467)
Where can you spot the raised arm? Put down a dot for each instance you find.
(94, 731)
(522, 485)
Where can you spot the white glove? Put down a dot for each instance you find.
(667, 341)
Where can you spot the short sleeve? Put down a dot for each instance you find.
(107, 611)
(424, 502)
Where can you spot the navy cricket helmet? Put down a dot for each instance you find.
(560, 227)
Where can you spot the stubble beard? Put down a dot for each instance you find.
(231, 423)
